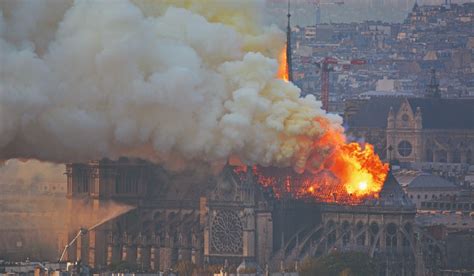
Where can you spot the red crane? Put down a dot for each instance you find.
(326, 65)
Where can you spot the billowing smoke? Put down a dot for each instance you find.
(176, 82)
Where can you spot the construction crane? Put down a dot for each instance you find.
(326, 65)
(318, 5)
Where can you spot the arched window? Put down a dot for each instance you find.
(391, 237)
(408, 229)
(332, 232)
(361, 235)
(346, 233)
(374, 230)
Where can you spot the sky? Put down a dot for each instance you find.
(303, 11)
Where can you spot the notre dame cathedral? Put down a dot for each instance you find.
(177, 217)
(229, 218)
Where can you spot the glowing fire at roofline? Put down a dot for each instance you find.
(351, 173)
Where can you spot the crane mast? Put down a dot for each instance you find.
(326, 65)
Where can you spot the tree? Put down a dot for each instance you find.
(341, 264)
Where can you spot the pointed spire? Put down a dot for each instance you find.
(288, 47)
(415, 6)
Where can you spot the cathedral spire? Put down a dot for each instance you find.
(288, 46)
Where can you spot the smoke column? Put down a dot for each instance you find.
(174, 82)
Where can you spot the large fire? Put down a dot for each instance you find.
(349, 172)
(352, 174)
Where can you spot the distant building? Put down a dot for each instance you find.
(430, 129)
(424, 187)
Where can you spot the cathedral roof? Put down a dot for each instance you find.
(436, 113)
(392, 194)
(374, 112)
(445, 113)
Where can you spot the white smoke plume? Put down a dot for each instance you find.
(175, 82)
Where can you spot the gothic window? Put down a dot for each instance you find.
(391, 237)
(332, 233)
(374, 230)
(361, 237)
(404, 148)
(126, 182)
(346, 232)
(226, 233)
(408, 230)
(81, 180)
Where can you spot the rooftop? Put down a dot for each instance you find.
(430, 181)
(436, 113)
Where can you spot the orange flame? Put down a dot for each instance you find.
(334, 171)
(351, 175)
(327, 169)
(283, 66)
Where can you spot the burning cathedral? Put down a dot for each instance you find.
(228, 218)
(272, 218)
(198, 96)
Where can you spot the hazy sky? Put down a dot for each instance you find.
(303, 11)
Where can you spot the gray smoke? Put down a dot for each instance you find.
(174, 82)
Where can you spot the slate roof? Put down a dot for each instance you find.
(392, 194)
(445, 113)
(430, 181)
(374, 112)
(436, 113)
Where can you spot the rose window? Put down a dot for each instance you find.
(226, 233)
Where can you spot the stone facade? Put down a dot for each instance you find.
(409, 141)
(177, 217)
(432, 130)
